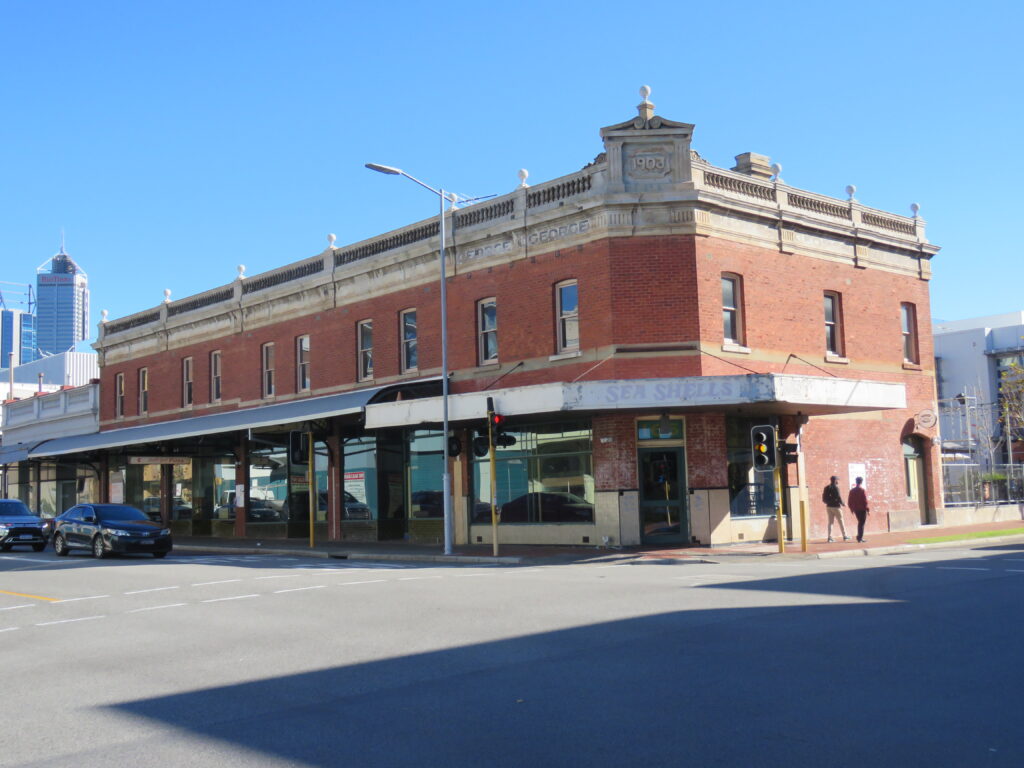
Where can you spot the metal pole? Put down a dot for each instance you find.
(446, 490)
(311, 483)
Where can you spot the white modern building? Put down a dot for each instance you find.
(970, 357)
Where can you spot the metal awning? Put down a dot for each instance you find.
(305, 409)
(9, 454)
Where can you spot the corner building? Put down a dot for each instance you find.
(632, 322)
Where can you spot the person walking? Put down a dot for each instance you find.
(833, 499)
(857, 501)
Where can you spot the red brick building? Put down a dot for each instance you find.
(633, 322)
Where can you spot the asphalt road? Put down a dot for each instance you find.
(903, 660)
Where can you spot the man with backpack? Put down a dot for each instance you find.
(833, 500)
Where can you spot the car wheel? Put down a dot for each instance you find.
(97, 548)
(5, 547)
(39, 547)
(60, 547)
(158, 555)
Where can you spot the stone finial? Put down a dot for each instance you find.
(645, 107)
(777, 172)
(167, 295)
(241, 272)
(523, 176)
(104, 315)
(915, 209)
(331, 239)
(850, 192)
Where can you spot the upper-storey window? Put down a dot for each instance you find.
(119, 395)
(833, 323)
(487, 330)
(908, 320)
(364, 343)
(410, 335)
(215, 376)
(267, 365)
(302, 364)
(567, 309)
(143, 391)
(186, 381)
(732, 308)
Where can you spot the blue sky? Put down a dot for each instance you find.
(174, 140)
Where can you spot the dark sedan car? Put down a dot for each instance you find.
(19, 525)
(107, 528)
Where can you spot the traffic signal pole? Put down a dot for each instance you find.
(494, 474)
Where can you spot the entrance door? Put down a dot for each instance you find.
(663, 515)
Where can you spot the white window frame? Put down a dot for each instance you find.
(216, 380)
(483, 333)
(187, 382)
(143, 391)
(302, 364)
(267, 364)
(364, 349)
(119, 396)
(733, 311)
(564, 316)
(410, 344)
(834, 332)
(908, 329)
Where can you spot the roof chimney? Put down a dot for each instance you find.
(753, 164)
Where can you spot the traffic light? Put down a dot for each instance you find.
(454, 446)
(762, 448)
(481, 446)
(298, 447)
(789, 453)
(501, 439)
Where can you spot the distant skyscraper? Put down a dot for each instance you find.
(62, 305)
(17, 335)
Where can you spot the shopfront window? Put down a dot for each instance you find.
(426, 466)
(360, 479)
(546, 476)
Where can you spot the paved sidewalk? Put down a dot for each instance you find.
(875, 544)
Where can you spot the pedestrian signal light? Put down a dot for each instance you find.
(298, 447)
(762, 448)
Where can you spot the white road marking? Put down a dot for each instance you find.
(417, 578)
(9, 629)
(208, 583)
(350, 583)
(16, 607)
(1014, 570)
(77, 599)
(154, 589)
(157, 607)
(602, 567)
(19, 557)
(466, 575)
(220, 599)
(298, 589)
(68, 621)
(959, 568)
(279, 576)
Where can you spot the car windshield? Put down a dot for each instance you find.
(108, 512)
(14, 508)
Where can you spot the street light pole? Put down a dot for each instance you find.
(445, 476)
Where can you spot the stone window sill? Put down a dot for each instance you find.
(838, 359)
(909, 366)
(737, 348)
(565, 355)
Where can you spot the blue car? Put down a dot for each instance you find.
(19, 525)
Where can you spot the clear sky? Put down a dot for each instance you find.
(173, 141)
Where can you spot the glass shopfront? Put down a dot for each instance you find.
(545, 476)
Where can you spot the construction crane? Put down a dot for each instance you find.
(22, 299)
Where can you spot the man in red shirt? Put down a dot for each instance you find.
(857, 501)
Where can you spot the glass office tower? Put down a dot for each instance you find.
(62, 305)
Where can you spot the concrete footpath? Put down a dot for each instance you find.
(875, 544)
